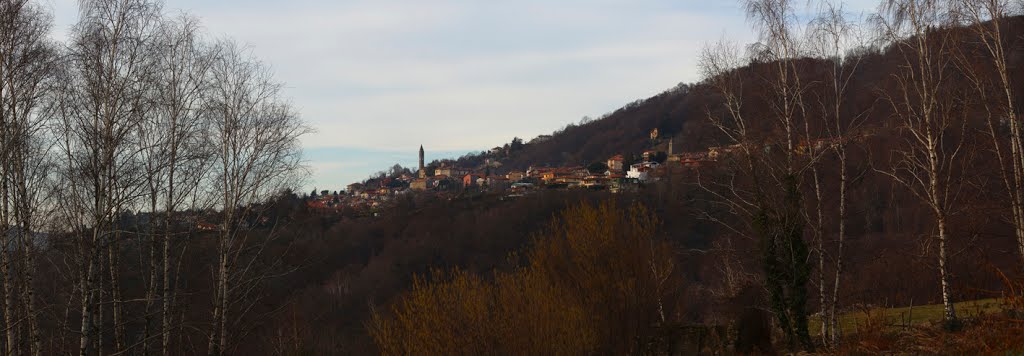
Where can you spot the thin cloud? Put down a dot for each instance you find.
(460, 75)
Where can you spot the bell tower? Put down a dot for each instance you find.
(423, 172)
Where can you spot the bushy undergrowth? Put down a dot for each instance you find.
(595, 281)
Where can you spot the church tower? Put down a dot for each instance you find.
(423, 172)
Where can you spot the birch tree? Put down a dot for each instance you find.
(175, 155)
(995, 84)
(925, 104)
(832, 36)
(780, 220)
(255, 136)
(762, 184)
(101, 110)
(27, 60)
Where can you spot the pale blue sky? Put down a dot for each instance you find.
(379, 78)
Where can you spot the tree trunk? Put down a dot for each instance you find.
(151, 287)
(9, 320)
(820, 236)
(166, 310)
(88, 291)
(170, 209)
(116, 307)
(218, 337)
(24, 208)
(28, 276)
(5, 253)
(949, 313)
(225, 265)
(833, 318)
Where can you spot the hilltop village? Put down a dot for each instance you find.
(617, 173)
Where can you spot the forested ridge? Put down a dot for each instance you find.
(869, 163)
(148, 207)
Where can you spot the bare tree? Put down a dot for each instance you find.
(720, 65)
(925, 104)
(175, 153)
(101, 109)
(257, 154)
(995, 84)
(138, 114)
(760, 160)
(781, 220)
(26, 63)
(832, 36)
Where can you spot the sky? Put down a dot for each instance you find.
(377, 79)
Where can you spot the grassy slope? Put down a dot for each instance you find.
(893, 318)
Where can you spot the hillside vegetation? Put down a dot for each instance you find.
(882, 173)
(858, 165)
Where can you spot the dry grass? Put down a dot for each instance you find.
(893, 319)
(990, 326)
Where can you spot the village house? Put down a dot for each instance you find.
(420, 183)
(548, 175)
(354, 188)
(532, 172)
(561, 175)
(446, 170)
(569, 176)
(692, 159)
(497, 182)
(615, 164)
(522, 187)
(515, 176)
(470, 180)
(649, 155)
(642, 172)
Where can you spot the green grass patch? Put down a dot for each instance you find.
(893, 318)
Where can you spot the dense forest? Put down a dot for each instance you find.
(147, 176)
